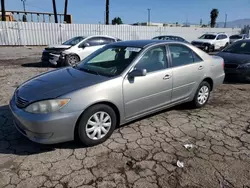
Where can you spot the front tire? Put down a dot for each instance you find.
(202, 95)
(72, 60)
(96, 124)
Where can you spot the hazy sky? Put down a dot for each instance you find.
(131, 11)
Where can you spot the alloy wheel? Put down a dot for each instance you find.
(203, 95)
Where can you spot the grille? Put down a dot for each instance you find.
(231, 66)
(20, 102)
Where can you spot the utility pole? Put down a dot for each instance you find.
(3, 10)
(54, 8)
(149, 16)
(225, 25)
(65, 10)
(107, 12)
(24, 6)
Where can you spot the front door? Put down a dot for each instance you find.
(188, 71)
(145, 93)
(94, 44)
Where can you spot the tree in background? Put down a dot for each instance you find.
(213, 15)
(117, 21)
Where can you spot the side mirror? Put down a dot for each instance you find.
(83, 45)
(137, 72)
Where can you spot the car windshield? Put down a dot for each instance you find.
(236, 37)
(109, 61)
(206, 36)
(240, 47)
(168, 38)
(73, 41)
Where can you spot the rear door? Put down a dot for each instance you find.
(188, 71)
(224, 40)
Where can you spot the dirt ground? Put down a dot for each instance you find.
(143, 154)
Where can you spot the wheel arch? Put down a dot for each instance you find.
(108, 103)
(210, 81)
(75, 54)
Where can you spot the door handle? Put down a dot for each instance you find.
(200, 67)
(166, 77)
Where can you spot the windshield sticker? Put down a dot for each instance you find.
(243, 45)
(130, 49)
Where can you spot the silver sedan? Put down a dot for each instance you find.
(116, 84)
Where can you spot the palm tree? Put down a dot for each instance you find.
(213, 15)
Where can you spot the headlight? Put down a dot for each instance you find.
(46, 106)
(244, 66)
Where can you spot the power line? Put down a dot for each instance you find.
(33, 6)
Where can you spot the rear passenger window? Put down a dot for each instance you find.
(182, 55)
(154, 59)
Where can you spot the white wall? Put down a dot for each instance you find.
(21, 33)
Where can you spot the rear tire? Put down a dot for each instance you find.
(96, 124)
(72, 60)
(202, 95)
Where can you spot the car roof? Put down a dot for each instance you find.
(167, 36)
(215, 33)
(100, 36)
(141, 43)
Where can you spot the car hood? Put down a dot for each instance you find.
(234, 58)
(55, 83)
(203, 40)
(61, 46)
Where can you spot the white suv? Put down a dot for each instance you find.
(211, 41)
(76, 49)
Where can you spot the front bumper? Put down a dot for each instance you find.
(45, 128)
(205, 46)
(53, 58)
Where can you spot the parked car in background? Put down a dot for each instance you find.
(75, 49)
(210, 41)
(116, 84)
(234, 38)
(237, 60)
(170, 37)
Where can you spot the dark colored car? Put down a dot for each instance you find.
(235, 38)
(170, 37)
(237, 60)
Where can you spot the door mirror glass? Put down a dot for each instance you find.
(137, 72)
(83, 45)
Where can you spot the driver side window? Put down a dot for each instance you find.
(154, 59)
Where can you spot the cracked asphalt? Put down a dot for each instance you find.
(142, 154)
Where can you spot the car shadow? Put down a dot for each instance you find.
(13, 142)
(38, 65)
(180, 107)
